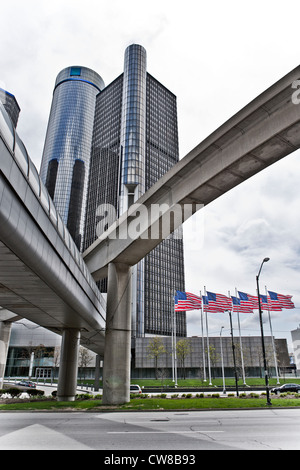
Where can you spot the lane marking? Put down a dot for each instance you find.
(162, 432)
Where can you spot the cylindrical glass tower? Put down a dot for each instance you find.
(133, 154)
(133, 128)
(66, 156)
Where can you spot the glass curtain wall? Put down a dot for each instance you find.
(66, 156)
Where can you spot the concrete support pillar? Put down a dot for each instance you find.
(5, 330)
(97, 374)
(68, 366)
(117, 350)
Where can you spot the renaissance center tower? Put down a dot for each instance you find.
(135, 141)
(66, 156)
(107, 145)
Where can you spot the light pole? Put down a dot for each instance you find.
(224, 389)
(262, 333)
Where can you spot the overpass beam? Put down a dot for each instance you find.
(117, 350)
(68, 366)
(5, 330)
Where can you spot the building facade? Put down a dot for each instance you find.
(35, 352)
(135, 141)
(192, 358)
(11, 106)
(66, 156)
(296, 347)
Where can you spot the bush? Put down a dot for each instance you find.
(14, 392)
(188, 395)
(33, 392)
(83, 396)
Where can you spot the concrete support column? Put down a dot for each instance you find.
(5, 330)
(97, 374)
(117, 350)
(68, 366)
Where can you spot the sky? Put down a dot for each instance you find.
(216, 57)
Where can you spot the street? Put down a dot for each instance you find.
(268, 429)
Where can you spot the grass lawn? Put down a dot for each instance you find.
(218, 382)
(229, 382)
(153, 404)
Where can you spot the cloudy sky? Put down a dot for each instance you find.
(216, 57)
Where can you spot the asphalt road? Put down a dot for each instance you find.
(190, 431)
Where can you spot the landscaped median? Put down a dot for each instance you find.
(87, 402)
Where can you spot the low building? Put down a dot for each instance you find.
(35, 352)
(192, 357)
(296, 347)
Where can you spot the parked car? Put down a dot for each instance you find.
(135, 389)
(286, 388)
(27, 383)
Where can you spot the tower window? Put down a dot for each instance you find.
(75, 72)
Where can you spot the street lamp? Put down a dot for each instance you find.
(262, 333)
(224, 389)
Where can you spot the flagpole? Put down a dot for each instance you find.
(203, 350)
(175, 354)
(172, 322)
(233, 353)
(241, 346)
(273, 344)
(207, 339)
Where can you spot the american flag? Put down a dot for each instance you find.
(186, 301)
(268, 304)
(264, 302)
(208, 307)
(248, 300)
(237, 307)
(219, 301)
(284, 301)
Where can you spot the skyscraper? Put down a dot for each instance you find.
(11, 105)
(66, 156)
(135, 141)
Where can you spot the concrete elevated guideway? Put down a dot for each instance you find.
(42, 275)
(263, 132)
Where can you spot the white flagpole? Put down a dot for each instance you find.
(203, 350)
(173, 314)
(273, 344)
(175, 353)
(241, 346)
(207, 338)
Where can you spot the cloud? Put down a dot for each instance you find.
(215, 57)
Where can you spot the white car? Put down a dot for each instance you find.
(135, 389)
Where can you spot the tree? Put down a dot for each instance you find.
(183, 350)
(214, 357)
(84, 359)
(155, 350)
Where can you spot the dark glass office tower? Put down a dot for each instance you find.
(11, 105)
(135, 141)
(66, 156)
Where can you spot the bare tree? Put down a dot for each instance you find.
(84, 359)
(183, 349)
(155, 349)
